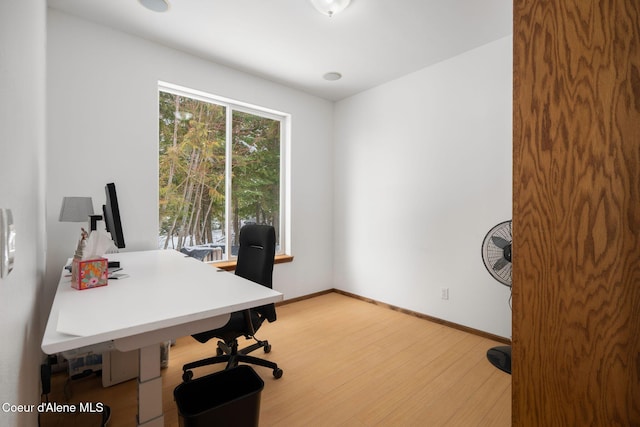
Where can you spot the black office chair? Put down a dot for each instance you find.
(255, 263)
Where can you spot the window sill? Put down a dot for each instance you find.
(231, 265)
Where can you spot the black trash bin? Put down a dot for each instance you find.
(226, 398)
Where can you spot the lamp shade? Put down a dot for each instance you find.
(330, 7)
(76, 209)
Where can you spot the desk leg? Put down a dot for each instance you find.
(150, 387)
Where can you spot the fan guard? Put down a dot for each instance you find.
(496, 252)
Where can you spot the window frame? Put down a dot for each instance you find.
(231, 106)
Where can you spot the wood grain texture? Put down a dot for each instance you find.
(576, 222)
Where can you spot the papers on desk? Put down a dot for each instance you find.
(69, 324)
(87, 320)
(113, 275)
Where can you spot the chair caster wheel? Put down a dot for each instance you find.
(187, 376)
(267, 348)
(277, 373)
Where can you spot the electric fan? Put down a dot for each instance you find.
(496, 255)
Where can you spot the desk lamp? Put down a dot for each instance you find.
(78, 209)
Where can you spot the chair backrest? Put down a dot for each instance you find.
(255, 260)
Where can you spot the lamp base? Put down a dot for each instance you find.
(500, 357)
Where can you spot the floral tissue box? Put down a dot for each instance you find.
(89, 273)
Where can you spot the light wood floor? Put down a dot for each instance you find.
(346, 362)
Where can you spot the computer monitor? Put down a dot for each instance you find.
(112, 216)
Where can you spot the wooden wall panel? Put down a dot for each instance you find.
(576, 219)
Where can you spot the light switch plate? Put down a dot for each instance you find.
(7, 242)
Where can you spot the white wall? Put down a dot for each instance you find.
(102, 127)
(422, 172)
(22, 158)
(425, 159)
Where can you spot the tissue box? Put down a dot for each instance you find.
(89, 273)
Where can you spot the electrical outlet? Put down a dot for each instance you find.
(444, 293)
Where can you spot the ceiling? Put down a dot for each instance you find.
(289, 42)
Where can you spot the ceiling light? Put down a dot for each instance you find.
(155, 5)
(330, 7)
(332, 76)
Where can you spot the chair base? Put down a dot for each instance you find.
(232, 357)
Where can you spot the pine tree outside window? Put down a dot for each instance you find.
(209, 188)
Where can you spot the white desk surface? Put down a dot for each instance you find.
(164, 290)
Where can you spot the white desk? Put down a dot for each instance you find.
(166, 296)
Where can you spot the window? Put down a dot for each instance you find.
(220, 167)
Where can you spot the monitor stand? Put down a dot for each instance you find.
(94, 221)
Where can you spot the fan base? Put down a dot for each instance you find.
(500, 357)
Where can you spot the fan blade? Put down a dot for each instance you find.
(499, 242)
(500, 264)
